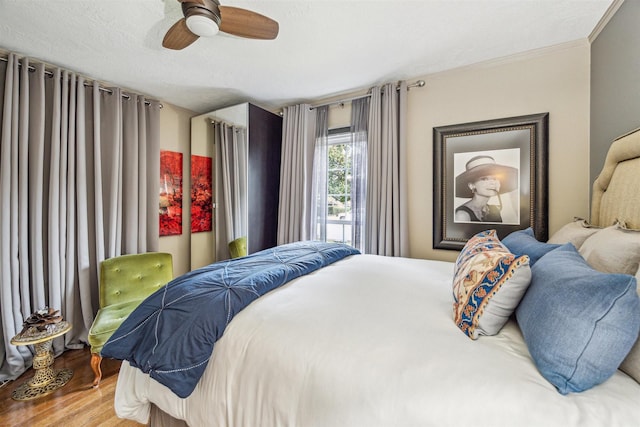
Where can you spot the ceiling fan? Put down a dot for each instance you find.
(204, 18)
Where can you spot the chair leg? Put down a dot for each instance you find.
(96, 360)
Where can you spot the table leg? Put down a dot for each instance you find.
(46, 379)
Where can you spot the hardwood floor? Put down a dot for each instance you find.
(76, 404)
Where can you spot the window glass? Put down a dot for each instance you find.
(339, 165)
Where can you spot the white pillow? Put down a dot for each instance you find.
(575, 232)
(614, 249)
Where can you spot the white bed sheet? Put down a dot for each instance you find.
(370, 341)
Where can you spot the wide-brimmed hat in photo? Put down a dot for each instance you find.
(480, 166)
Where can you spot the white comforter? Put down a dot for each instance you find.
(370, 341)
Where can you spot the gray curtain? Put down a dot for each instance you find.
(232, 152)
(294, 208)
(359, 135)
(319, 192)
(386, 212)
(79, 170)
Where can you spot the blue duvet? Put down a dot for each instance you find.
(171, 334)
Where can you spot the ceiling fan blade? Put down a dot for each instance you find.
(178, 37)
(245, 23)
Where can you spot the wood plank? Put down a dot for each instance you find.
(75, 404)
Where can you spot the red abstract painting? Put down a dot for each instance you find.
(170, 193)
(201, 194)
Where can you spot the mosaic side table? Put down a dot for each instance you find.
(46, 380)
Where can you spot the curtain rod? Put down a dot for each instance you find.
(419, 83)
(86, 84)
(340, 101)
(216, 122)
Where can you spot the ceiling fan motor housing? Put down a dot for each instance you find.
(210, 10)
(204, 18)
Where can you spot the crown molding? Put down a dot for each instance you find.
(516, 57)
(613, 8)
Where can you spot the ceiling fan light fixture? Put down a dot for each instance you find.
(203, 18)
(202, 26)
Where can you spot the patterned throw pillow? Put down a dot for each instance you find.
(488, 283)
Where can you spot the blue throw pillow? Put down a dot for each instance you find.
(578, 323)
(524, 242)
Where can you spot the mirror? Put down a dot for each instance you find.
(245, 142)
(206, 130)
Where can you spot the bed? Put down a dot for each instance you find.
(376, 341)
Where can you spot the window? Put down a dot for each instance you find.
(339, 221)
(337, 211)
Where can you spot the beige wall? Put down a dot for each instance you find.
(175, 135)
(554, 80)
(203, 244)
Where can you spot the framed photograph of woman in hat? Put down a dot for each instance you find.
(490, 175)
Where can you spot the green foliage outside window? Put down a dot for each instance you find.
(339, 179)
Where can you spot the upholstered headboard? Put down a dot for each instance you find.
(616, 191)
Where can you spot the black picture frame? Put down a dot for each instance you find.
(518, 143)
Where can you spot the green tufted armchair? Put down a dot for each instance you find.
(238, 247)
(124, 282)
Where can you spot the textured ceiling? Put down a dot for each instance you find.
(324, 47)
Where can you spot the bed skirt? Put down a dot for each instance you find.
(162, 419)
